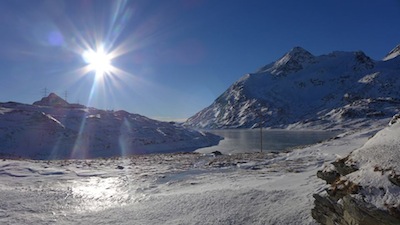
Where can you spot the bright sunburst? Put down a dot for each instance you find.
(98, 61)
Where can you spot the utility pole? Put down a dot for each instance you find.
(261, 127)
(261, 139)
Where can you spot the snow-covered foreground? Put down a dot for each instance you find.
(171, 188)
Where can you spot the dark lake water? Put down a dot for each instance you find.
(245, 140)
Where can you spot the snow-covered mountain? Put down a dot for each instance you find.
(302, 90)
(53, 128)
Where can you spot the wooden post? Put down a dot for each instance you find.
(261, 139)
(261, 134)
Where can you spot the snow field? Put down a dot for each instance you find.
(171, 188)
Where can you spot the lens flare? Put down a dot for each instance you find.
(98, 61)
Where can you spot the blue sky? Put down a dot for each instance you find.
(177, 56)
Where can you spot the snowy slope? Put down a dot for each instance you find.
(378, 169)
(365, 185)
(393, 54)
(302, 90)
(53, 128)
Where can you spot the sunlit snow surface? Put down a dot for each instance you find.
(170, 188)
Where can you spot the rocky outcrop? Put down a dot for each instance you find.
(339, 205)
(349, 211)
(364, 187)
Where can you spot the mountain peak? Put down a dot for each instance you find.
(392, 54)
(292, 61)
(298, 54)
(298, 50)
(52, 100)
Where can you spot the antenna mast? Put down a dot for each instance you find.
(44, 92)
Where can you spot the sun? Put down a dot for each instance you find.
(98, 61)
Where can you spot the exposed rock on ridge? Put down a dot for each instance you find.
(291, 62)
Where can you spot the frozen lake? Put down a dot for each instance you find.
(246, 140)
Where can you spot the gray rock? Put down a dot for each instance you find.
(343, 167)
(328, 176)
(350, 212)
(216, 153)
(339, 206)
(394, 179)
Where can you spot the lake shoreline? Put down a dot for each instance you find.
(274, 140)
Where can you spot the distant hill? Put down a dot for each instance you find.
(301, 90)
(55, 129)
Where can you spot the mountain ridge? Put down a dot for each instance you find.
(52, 128)
(393, 53)
(303, 90)
(293, 60)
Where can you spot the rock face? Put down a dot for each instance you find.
(55, 129)
(302, 90)
(350, 211)
(365, 186)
